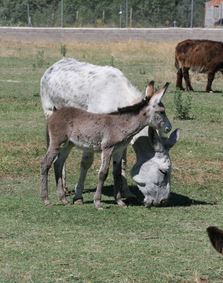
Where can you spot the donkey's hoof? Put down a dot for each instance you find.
(46, 202)
(98, 204)
(79, 201)
(121, 203)
(64, 201)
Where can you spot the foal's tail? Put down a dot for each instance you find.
(47, 136)
(47, 130)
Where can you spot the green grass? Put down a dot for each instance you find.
(78, 243)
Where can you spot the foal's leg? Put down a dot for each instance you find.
(117, 175)
(58, 169)
(45, 165)
(86, 162)
(102, 175)
(187, 79)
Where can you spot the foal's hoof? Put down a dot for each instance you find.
(121, 203)
(79, 201)
(98, 204)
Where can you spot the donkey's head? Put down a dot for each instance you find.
(152, 170)
(156, 111)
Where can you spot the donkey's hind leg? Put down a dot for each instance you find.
(118, 179)
(102, 175)
(187, 79)
(45, 165)
(179, 83)
(86, 162)
(58, 170)
(211, 76)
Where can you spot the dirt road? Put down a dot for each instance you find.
(107, 34)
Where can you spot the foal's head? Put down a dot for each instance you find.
(151, 108)
(156, 110)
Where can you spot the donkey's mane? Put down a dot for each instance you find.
(135, 108)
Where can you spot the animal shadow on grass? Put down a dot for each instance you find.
(214, 91)
(174, 199)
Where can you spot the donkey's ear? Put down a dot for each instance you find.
(138, 179)
(156, 98)
(155, 140)
(150, 89)
(173, 138)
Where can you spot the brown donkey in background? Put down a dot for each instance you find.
(202, 56)
(108, 133)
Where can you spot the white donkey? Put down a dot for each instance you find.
(153, 164)
(98, 89)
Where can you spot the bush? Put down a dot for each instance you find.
(63, 50)
(39, 59)
(183, 105)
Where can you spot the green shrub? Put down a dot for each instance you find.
(63, 50)
(183, 105)
(39, 60)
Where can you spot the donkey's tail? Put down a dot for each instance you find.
(176, 63)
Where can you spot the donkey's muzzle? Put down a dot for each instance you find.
(167, 128)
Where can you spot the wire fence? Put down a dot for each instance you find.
(125, 13)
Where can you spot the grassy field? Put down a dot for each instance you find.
(78, 243)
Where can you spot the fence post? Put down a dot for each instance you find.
(62, 21)
(192, 13)
(126, 13)
(130, 18)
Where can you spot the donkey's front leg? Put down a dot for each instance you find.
(86, 162)
(58, 170)
(102, 175)
(126, 193)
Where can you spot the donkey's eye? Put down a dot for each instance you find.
(161, 111)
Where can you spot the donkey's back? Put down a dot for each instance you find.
(100, 89)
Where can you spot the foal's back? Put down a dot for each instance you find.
(82, 128)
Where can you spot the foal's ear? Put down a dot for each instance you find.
(150, 89)
(156, 98)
